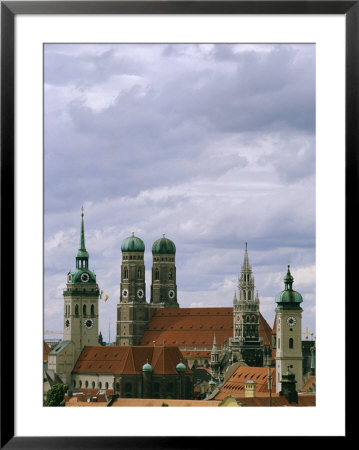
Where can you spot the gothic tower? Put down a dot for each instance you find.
(246, 340)
(81, 301)
(164, 287)
(289, 333)
(215, 369)
(132, 311)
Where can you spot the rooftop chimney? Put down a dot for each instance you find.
(250, 388)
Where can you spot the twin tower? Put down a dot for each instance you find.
(133, 311)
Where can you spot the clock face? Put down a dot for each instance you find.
(88, 323)
(85, 277)
(125, 293)
(291, 321)
(171, 293)
(69, 278)
(67, 323)
(140, 293)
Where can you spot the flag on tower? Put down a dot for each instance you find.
(106, 298)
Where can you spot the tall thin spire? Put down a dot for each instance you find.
(82, 238)
(246, 267)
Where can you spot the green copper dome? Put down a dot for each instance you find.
(181, 367)
(163, 246)
(288, 298)
(147, 367)
(133, 244)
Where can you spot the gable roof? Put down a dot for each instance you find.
(234, 386)
(195, 327)
(129, 359)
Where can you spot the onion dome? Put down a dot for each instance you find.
(147, 367)
(133, 244)
(288, 299)
(180, 367)
(163, 246)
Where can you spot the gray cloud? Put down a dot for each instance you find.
(212, 144)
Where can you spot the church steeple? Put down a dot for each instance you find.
(82, 257)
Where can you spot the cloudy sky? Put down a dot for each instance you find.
(213, 145)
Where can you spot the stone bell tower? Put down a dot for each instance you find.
(132, 311)
(289, 333)
(81, 301)
(164, 287)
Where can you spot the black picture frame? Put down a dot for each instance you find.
(9, 9)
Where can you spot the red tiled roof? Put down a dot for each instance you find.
(235, 384)
(195, 327)
(129, 359)
(277, 400)
(46, 351)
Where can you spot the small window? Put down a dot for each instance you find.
(84, 311)
(76, 310)
(291, 343)
(86, 384)
(99, 385)
(125, 273)
(80, 383)
(157, 274)
(106, 385)
(93, 385)
(139, 273)
(170, 275)
(92, 310)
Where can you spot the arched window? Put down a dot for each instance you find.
(80, 383)
(74, 383)
(99, 385)
(106, 385)
(76, 310)
(249, 295)
(170, 275)
(139, 273)
(291, 343)
(93, 385)
(69, 310)
(157, 274)
(92, 310)
(118, 387)
(244, 295)
(86, 384)
(125, 272)
(84, 311)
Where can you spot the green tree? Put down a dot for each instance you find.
(164, 404)
(100, 339)
(55, 395)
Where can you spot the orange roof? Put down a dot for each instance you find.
(235, 384)
(47, 350)
(158, 402)
(129, 359)
(277, 400)
(195, 327)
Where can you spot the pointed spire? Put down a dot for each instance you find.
(214, 347)
(246, 267)
(288, 280)
(82, 255)
(235, 300)
(82, 238)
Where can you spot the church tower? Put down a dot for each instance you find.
(132, 311)
(81, 301)
(289, 333)
(164, 287)
(246, 340)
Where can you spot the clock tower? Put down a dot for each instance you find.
(81, 301)
(289, 354)
(132, 311)
(164, 287)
